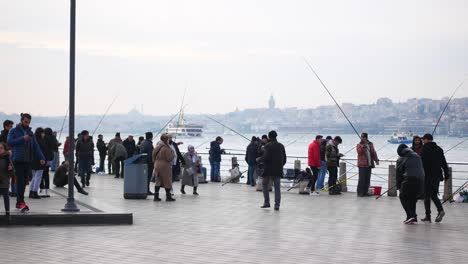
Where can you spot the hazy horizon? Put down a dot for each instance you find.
(229, 54)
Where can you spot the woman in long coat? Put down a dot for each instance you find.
(162, 158)
(191, 169)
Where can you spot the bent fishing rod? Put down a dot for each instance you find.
(214, 120)
(446, 105)
(104, 115)
(240, 176)
(456, 192)
(63, 124)
(329, 93)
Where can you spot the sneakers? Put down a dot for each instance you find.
(411, 221)
(265, 206)
(440, 216)
(22, 206)
(427, 219)
(314, 194)
(34, 195)
(307, 190)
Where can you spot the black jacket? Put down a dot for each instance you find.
(409, 174)
(61, 176)
(102, 148)
(323, 149)
(434, 163)
(251, 153)
(147, 147)
(85, 149)
(130, 147)
(215, 151)
(274, 158)
(46, 151)
(4, 136)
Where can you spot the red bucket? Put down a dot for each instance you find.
(377, 190)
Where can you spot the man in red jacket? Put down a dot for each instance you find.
(314, 163)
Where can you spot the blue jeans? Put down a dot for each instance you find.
(53, 164)
(84, 170)
(215, 171)
(321, 175)
(251, 174)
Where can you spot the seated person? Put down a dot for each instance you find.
(61, 178)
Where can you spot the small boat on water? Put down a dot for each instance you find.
(184, 129)
(399, 139)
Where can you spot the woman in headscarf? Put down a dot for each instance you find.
(191, 169)
(162, 158)
(417, 145)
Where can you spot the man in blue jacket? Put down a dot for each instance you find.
(215, 159)
(24, 147)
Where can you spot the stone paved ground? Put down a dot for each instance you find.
(226, 225)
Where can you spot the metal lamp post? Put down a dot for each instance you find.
(71, 206)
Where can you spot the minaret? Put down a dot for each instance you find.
(271, 102)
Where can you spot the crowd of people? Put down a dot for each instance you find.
(26, 159)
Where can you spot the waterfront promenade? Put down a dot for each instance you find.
(226, 225)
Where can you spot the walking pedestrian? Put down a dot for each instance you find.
(192, 167)
(163, 158)
(409, 179)
(24, 146)
(434, 163)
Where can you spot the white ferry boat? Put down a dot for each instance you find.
(184, 129)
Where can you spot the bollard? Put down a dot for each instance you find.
(342, 177)
(297, 165)
(448, 187)
(234, 163)
(392, 191)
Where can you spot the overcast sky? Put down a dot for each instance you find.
(228, 53)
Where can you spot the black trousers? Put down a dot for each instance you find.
(23, 172)
(6, 198)
(431, 192)
(150, 174)
(45, 182)
(332, 178)
(102, 159)
(118, 162)
(364, 180)
(313, 179)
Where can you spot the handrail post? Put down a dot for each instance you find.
(392, 191)
(448, 192)
(342, 178)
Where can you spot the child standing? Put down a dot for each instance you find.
(6, 171)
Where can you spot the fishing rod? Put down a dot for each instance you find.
(445, 108)
(382, 194)
(203, 143)
(328, 91)
(104, 115)
(212, 119)
(294, 141)
(456, 192)
(181, 105)
(170, 120)
(240, 176)
(63, 124)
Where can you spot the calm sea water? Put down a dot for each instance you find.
(297, 146)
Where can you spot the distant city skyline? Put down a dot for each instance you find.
(230, 54)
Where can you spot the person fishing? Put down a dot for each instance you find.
(251, 159)
(215, 158)
(409, 181)
(367, 159)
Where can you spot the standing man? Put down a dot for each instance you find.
(314, 163)
(178, 159)
(110, 164)
(102, 148)
(130, 146)
(56, 161)
(147, 148)
(434, 163)
(274, 158)
(251, 159)
(323, 164)
(24, 147)
(119, 154)
(333, 156)
(215, 158)
(367, 158)
(84, 152)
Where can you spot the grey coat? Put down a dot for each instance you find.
(118, 150)
(190, 179)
